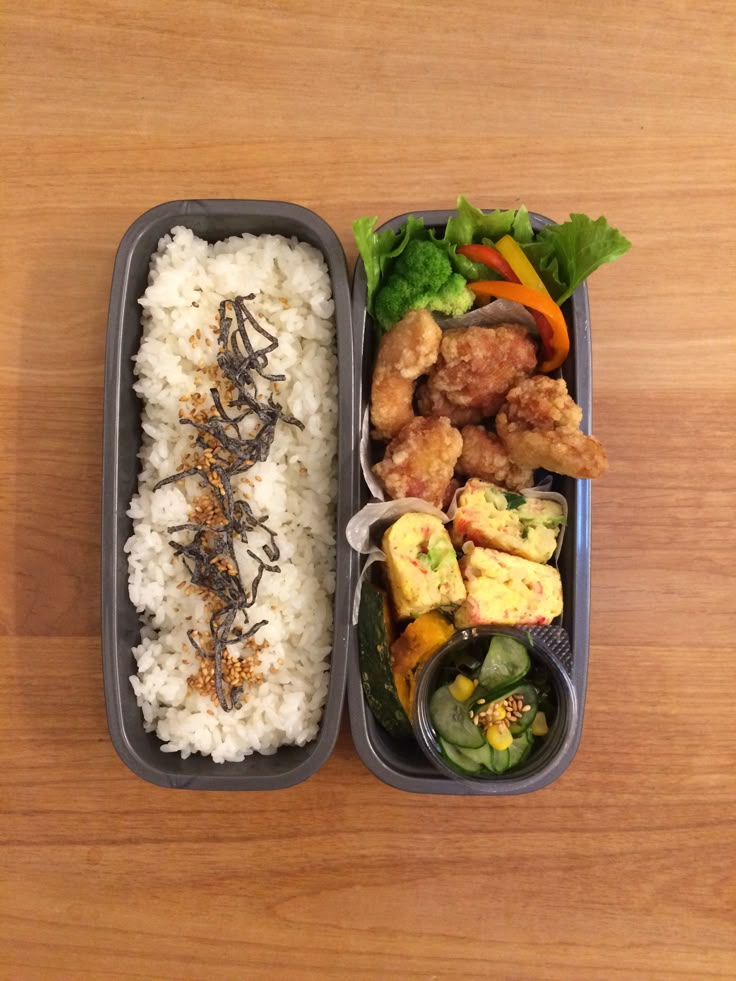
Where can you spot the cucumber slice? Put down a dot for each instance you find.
(483, 755)
(459, 758)
(520, 748)
(499, 760)
(529, 694)
(477, 760)
(451, 720)
(505, 664)
(530, 740)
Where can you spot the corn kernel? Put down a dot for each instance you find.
(499, 737)
(462, 688)
(539, 726)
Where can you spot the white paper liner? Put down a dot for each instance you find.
(490, 315)
(374, 485)
(365, 529)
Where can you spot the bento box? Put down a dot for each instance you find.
(398, 761)
(211, 220)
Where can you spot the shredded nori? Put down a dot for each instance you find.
(209, 555)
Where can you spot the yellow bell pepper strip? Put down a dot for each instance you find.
(514, 266)
(516, 258)
(551, 324)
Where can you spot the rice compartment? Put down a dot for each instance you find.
(265, 687)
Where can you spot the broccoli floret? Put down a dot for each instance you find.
(422, 277)
(423, 264)
(454, 298)
(392, 301)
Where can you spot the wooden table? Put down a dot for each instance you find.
(625, 867)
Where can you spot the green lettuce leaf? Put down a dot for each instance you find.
(565, 255)
(522, 229)
(377, 249)
(544, 260)
(471, 225)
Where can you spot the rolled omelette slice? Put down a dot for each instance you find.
(506, 589)
(491, 517)
(423, 570)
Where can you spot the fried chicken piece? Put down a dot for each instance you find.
(408, 350)
(432, 403)
(539, 426)
(485, 456)
(450, 492)
(477, 366)
(420, 461)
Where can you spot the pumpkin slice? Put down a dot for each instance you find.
(388, 670)
(418, 642)
(375, 632)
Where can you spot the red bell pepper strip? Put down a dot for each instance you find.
(488, 256)
(553, 333)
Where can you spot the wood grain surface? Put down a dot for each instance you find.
(625, 868)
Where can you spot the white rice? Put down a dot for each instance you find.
(296, 491)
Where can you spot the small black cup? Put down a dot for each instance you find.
(562, 730)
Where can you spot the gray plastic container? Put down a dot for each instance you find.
(140, 750)
(400, 762)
